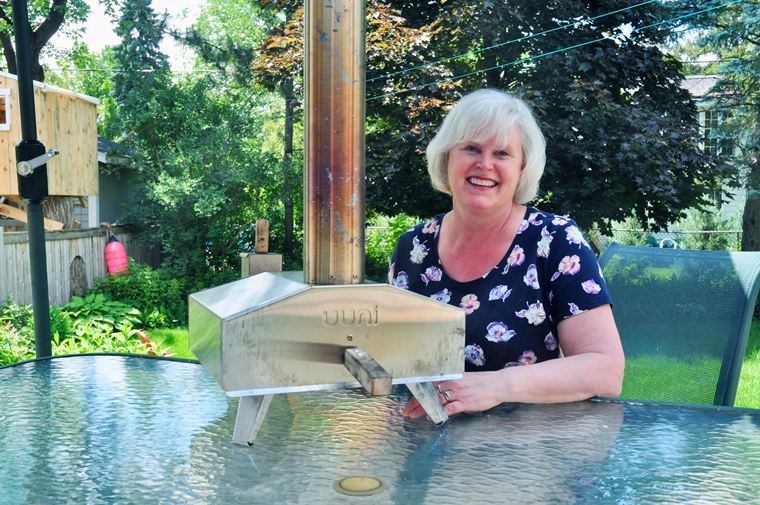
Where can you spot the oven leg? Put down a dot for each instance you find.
(250, 415)
(428, 398)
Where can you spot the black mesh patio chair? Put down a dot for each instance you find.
(684, 318)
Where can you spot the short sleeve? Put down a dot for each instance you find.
(576, 283)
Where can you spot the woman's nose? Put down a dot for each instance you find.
(486, 161)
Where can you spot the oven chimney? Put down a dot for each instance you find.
(334, 117)
(269, 334)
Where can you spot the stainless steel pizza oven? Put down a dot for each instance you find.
(286, 332)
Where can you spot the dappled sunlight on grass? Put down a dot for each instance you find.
(173, 339)
(668, 379)
(748, 392)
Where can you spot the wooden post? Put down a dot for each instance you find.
(261, 260)
(262, 236)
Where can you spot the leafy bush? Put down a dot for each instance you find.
(622, 236)
(153, 292)
(96, 310)
(85, 325)
(158, 294)
(708, 220)
(18, 316)
(382, 235)
(15, 345)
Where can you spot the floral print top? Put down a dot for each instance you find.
(549, 273)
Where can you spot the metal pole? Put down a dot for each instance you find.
(334, 112)
(35, 191)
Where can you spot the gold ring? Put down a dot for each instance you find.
(447, 395)
(438, 387)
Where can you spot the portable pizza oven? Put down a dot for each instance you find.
(271, 333)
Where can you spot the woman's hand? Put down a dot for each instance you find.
(474, 392)
(592, 365)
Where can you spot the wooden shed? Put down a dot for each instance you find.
(67, 122)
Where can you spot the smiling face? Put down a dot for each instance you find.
(483, 175)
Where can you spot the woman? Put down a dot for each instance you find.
(527, 280)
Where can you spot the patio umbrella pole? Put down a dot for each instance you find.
(32, 180)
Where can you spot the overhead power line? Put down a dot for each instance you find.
(564, 49)
(521, 39)
(515, 62)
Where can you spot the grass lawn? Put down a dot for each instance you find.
(748, 394)
(173, 339)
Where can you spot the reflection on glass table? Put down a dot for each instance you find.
(125, 429)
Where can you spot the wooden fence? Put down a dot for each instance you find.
(68, 251)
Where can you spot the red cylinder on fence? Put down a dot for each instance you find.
(116, 257)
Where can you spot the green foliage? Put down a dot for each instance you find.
(85, 325)
(685, 232)
(15, 345)
(20, 317)
(158, 295)
(610, 103)
(382, 234)
(729, 34)
(95, 83)
(16, 333)
(45, 19)
(708, 220)
(89, 339)
(199, 149)
(627, 232)
(97, 313)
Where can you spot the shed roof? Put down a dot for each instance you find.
(47, 88)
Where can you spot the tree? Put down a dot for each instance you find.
(143, 74)
(45, 19)
(394, 120)
(731, 33)
(90, 74)
(609, 101)
(618, 125)
(195, 143)
(276, 64)
(226, 38)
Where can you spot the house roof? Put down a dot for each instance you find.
(105, 146)
(47, 88)
(700, 85)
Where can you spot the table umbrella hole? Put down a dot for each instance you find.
(360, 485)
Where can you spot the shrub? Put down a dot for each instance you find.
(85, 325)
(381, 239)
(157, 295)
(708, 220)
(14, 345)
(98, 311)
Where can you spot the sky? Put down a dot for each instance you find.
(100, 29)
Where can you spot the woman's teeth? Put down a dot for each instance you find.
(481, 182)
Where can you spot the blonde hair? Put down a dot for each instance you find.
(481, 116)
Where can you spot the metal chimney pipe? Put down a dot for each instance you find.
(334, 117)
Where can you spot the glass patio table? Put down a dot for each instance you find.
(131, 430)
